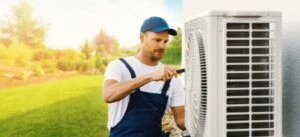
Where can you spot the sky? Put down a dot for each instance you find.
(71, 22)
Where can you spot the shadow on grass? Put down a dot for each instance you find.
(81, 116)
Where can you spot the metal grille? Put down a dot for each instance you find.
(196, 84)
(203, 81)
(249, 79)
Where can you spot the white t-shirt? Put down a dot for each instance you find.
(117, 70)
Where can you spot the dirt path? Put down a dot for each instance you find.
(6, 82)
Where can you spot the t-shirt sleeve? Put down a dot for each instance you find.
(113, 71)
(178, 98)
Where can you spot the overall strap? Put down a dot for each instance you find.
(132, 73)
(128, 67)
(166, 87)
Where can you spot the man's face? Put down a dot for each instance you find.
(154, 44)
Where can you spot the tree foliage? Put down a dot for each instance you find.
(105, 44)
(177, 40)
(173, 51)
(23, 27)
(87, 50)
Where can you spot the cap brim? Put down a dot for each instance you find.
(171, 31)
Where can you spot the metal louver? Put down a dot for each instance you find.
(250, 79)
(196, 84)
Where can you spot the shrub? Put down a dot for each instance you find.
(101, 63)
(49, 66)
(6, 55)
(66, 64)
(23, 53)
(38, 70)
(15, 53)
(43, 54)
(86, 65)
(24, 75)
(98, 62)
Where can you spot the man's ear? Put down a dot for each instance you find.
(142, 37)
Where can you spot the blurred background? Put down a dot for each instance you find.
(290, 41)
(53, 55)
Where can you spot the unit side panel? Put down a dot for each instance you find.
(205, 27)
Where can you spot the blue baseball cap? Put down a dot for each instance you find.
(157, 24)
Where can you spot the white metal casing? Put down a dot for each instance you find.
(214, 27)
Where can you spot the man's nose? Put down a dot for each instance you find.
(162, 45)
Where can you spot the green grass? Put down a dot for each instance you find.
(72, 107)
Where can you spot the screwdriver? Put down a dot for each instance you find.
(180, 71)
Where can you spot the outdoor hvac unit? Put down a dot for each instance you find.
(233, 74)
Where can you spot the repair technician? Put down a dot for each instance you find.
(139, 89)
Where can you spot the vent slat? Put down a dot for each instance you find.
(262, 117)
(238, 126)
(237, 117)
(263, 133)
(260, 26)
(238, 25)
(238, 134)
(238, 42)
(249, 79)
(260, 42)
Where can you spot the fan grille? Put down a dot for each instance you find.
(196, 84)
(249, 79)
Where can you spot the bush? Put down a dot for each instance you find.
(49, 66)
(98, 62)
(127, 52)
(51, 70)
(24, 75)
(15, 53)
(38, 70)
(85, 65)
(6, 55)
(66, 64)
(101, 63)
(23, 53)
(78, 63)
(43, 54)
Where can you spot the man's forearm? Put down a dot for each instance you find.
(181, 124)
(119, 90)
(179, 114)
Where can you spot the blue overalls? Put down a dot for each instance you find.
(144, 113)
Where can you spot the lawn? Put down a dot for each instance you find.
(70, 107)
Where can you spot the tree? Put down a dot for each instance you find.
(177, 40)
(23, 27)
(173, 51)
(87, 49)
(105, 44)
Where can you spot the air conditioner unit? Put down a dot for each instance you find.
(233, 79)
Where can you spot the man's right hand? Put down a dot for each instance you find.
(163, 74)
(114, 91)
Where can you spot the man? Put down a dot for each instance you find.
(139, 88)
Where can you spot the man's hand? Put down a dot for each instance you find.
(114, 91)
(164, 74)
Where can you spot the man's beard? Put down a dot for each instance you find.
(155, 57)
